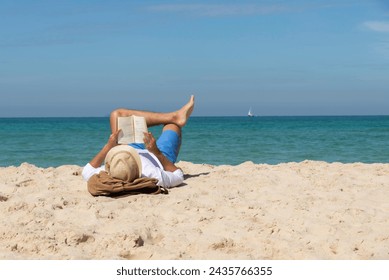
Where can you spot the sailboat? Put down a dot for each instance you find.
(250, 114)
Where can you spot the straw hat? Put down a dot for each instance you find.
(123, 162)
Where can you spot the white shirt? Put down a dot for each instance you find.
(151, 167)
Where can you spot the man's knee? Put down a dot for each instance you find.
(116, 113)
(173, 127)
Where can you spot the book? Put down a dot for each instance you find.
(132, 128)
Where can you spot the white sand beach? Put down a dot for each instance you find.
(306, 210)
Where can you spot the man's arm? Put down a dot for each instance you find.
(98, 160)
(151, 146)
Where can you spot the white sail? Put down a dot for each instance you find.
(250, 114)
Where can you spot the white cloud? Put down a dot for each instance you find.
(378, 26)
(380, 47)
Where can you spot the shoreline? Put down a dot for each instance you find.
(209, 164)
(298, 210)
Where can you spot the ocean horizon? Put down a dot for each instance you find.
(216, 140)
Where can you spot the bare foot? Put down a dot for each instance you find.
(184, 113)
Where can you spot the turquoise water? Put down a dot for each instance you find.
(213, 140)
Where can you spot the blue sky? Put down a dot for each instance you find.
(85, 58)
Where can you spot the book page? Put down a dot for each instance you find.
(126, 124)
(140, 126)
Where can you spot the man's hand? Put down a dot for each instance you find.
(113, 139)
(98, 160)
(150, 143)
(151, 146)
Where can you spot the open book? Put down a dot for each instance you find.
(132, 128)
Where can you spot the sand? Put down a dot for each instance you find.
(307, 210)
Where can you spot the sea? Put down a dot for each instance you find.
(51, 142)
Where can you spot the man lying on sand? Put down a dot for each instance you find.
(155, 158)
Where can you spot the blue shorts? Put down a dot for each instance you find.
(168, 143)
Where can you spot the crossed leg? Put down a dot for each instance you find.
(171, 120)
